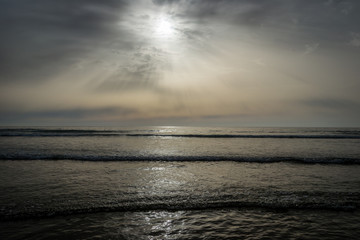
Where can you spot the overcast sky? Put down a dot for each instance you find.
(180, 62)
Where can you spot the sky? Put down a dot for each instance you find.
(180, 62)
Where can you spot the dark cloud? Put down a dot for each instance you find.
(165, 2)
(310, 20)
(42, 37)
(67, 114)
(245, 10)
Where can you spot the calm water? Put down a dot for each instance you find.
(179, 183)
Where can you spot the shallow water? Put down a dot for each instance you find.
(194, 224)
(209, 184)
(42, 188)
(178, 200)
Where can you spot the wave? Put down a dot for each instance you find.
(102, 158)
(29, 132)
(33, 132)
(344, 201)
(244, 136)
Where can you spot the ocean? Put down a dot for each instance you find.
(179, 183)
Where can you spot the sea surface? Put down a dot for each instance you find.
(179, 183)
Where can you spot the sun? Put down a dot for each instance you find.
(164, 27)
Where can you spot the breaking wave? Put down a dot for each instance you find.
(339, 201)
(33, 132)
(82, 157)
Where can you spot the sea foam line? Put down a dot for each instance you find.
(180, 204)
(103, 158)
(124, 134)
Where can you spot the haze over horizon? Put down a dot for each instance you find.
(180, 62)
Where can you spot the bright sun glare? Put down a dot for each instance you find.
(164, 27)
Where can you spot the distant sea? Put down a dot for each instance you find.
(179, 183)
